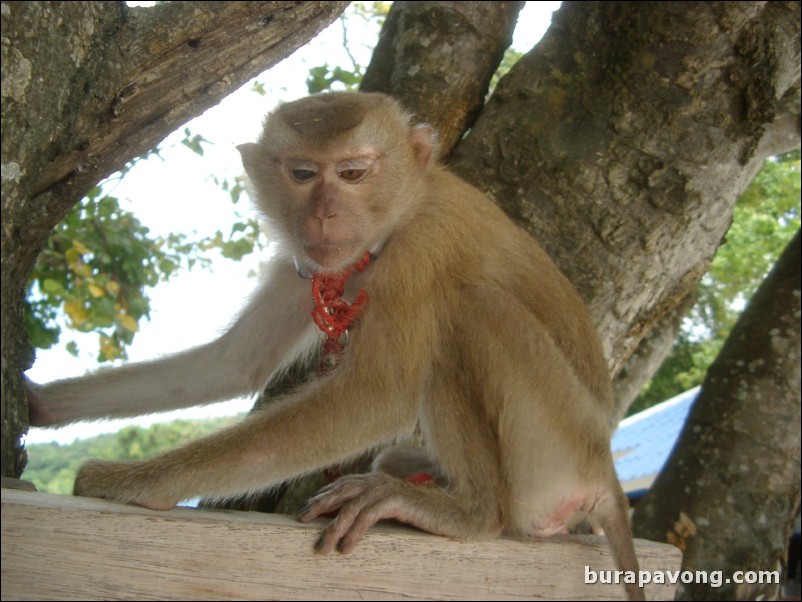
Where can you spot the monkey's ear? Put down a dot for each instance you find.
(250, 158)
(424, 144)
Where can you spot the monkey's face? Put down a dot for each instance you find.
(328, 203)
(334, 173)
(328, 206)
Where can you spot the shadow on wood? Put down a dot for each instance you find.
(63, 547)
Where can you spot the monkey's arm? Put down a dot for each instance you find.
(274, 328)
(325, 422)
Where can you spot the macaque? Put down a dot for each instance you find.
(432, 307)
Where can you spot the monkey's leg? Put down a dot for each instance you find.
(405, 461)
(468, 505)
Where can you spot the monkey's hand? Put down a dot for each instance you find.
(38, 412)
(362, 500)
(126, 482)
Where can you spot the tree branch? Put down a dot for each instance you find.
(177, 60)
(438, 58)
(622, 140)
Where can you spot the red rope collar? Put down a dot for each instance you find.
(333, 314)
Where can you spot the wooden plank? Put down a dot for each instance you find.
(62, 547)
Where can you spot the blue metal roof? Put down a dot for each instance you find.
(642, 443)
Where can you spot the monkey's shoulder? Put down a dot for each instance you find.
(464, 225)
(458, 213)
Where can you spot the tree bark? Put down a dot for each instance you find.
(731, 489)
(622, 140)
(89, 85)
(439, 58)
(647, 358)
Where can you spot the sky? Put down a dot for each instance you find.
(177, 193)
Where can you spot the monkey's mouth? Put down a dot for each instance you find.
(329, 246)
(332, 255)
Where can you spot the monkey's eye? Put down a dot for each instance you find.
(302, 175)
(352, 171)
(302, 171)
(352, 175)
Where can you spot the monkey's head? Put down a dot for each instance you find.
(336, 172)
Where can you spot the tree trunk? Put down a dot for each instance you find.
(731, 489)
(622, 140)
(88, 86)
(648, 357)
(439, 58)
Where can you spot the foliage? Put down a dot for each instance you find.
(511, 56)
(370, 17)
(243, 238)
(52, 466)
(93, 274)
(194, 143)
(766, 217)
(324, 78)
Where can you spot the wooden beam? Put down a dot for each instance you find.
(61, 547)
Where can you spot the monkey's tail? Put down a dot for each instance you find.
(611, 512)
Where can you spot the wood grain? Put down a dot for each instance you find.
(62, 547)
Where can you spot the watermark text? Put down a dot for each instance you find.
(713, 578)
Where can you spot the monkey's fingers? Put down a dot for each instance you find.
(353, 521)
(363, 501)
(332, 497)
(90, 478)
(352, 529)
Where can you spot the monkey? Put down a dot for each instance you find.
(433, 309)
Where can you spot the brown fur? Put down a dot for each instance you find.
(469, 329)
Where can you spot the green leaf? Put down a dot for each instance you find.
(52, 287)
(194, 143)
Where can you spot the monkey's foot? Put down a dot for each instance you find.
(362, 500)
(126, 482)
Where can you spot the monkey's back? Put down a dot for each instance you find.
(487, 248)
